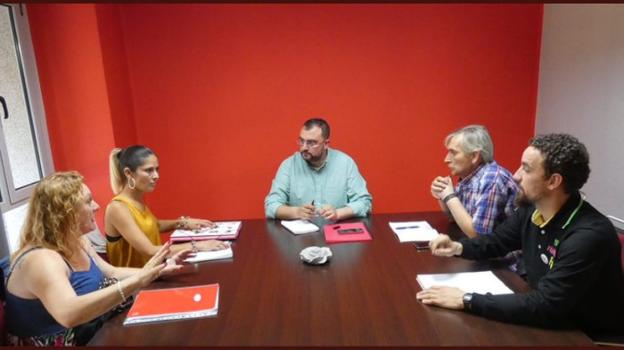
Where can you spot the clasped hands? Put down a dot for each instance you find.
(442, 187)
(308, 211)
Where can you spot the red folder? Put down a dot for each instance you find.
(347, 232)
(160, 305)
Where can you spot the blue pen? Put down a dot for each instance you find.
(406, 227)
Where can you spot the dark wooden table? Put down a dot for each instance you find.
(364, 296)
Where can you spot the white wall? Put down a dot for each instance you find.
(581, 91)
(13, 222)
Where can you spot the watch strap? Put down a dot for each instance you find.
(467, 298)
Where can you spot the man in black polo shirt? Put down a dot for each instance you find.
(571, 251)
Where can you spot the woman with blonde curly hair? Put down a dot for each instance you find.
(132, 231)
(59, 291)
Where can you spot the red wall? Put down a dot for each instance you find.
(73, 84)
(220, 91)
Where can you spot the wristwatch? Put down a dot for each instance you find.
(449, 197)
(467, 298)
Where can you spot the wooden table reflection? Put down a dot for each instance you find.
(365, 296)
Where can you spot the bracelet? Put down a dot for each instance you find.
(449, 197)
(123, 296)
(194, 247)
(182, 223)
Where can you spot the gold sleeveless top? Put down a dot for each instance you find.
(119, 251)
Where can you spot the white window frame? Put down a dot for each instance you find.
(12, 197)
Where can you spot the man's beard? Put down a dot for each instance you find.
(521, 199)
(312, 159)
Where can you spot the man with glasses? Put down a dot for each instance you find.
(317, 180)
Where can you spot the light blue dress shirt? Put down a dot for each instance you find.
(338, 183)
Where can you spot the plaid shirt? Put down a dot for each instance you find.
(488, 195)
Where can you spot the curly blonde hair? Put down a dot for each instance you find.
(52, 220)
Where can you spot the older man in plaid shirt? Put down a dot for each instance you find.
(485, 194)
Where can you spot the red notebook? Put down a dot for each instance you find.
(347, 232)
(172, 304)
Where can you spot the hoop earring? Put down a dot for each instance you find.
(133, 185)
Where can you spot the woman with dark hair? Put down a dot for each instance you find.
(132, 231)
(59, 290)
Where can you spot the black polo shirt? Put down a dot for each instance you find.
(573, 266)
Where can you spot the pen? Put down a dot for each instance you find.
(406, 227)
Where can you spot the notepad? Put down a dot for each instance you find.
(299, 227)
(413, 231)
(346, 232)
(172, 304)
(211, 255)
(222, 230)
(470, 282)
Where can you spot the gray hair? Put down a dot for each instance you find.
(475, 139)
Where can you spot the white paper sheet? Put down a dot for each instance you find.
(413, 231)
(470, 282)
(211, 255)
(299, 227)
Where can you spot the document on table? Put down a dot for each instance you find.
(470, 282)
(211, 255)
(222, 230)
(299, 227)
(413, 231)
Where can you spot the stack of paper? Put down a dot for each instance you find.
(470, 282)
(171, 304)
(211, 255)
(299, 227)
(413, 231)
(222, 230)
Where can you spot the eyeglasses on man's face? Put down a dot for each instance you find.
(309, 143)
